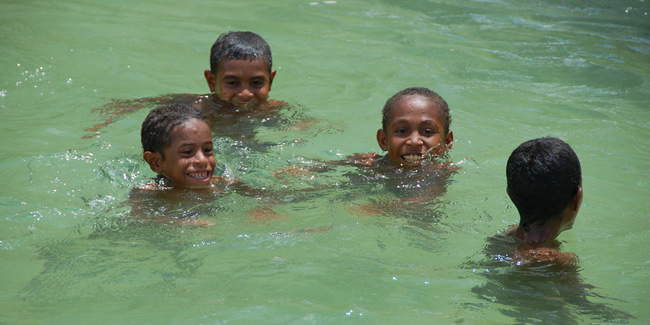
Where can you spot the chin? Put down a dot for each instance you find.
(246, 105)
(198, 186)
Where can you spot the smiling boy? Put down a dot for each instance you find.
(415, 124)
(240, 74)
(240, 79)
(177, 145)
(415, 128)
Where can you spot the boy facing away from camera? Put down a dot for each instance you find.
(545, 184)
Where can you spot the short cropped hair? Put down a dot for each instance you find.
(239, 46)
(157, 127)
(543, 176)
(420, 91)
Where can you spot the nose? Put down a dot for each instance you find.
(200, 159)
(245, 93)
(414, 139)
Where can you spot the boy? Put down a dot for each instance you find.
(415, 133)
(240, 74)
(177, 145)
(545, 184)
(239, 79)
(415, 127)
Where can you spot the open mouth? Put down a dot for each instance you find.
(247, 104)
(412, 159)
(200, 176)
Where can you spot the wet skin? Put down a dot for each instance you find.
(415, 128)
(241, 83)
(189, 161)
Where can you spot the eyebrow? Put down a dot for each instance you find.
(406, 121)
(191, 143)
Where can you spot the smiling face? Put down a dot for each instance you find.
(242, 83)
(188, 161)
(415, 127)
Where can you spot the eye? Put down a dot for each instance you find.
(187, 152)
(401, 131)
(258, 83)
(208, 150)
(428, 132)
(232, 83)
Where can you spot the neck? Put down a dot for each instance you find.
(538, 235)
(163, 181)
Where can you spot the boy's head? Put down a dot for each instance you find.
(240, 69)
(545, 182)
(415, 123)
(177, 144)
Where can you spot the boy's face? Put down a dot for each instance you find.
(189, 160)
(242, 83)
(415, 127)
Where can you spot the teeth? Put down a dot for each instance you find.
(412, 158)
(199, 175)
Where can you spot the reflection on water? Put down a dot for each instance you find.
(120, 261)
(241, 125)
(537, 293)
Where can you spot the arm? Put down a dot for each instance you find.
(116, 108)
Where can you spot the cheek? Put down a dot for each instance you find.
(435, 141)
(436, 145)
(394, 143)
(224, 89)
(263, 92)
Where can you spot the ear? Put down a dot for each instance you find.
(576, 201)
(381, 140)
(271, 76)
(211, 79)
(154, 159)
(449, 141)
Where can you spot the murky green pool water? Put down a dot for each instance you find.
(510, 70)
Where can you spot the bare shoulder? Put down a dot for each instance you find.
(149, 186)
(544, 256)
(274, 103)
(220, 180)
(364, 159)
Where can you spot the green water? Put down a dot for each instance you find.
(510, 71)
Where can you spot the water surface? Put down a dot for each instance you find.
(339, 248)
